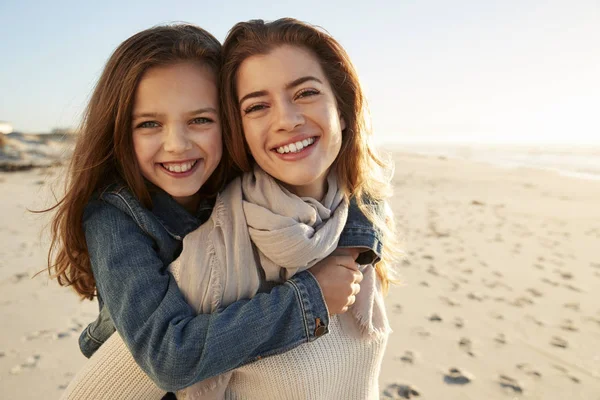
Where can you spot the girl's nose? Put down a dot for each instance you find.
(177, 140)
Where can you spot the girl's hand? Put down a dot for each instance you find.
(339, 279)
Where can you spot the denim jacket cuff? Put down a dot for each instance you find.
(363, 238)
(312, 302)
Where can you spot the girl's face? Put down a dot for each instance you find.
(176, 128)
(290, 118)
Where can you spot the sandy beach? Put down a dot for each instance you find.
(496, 302)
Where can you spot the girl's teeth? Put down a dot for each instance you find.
(183, 167)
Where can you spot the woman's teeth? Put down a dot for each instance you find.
(179, 167)
(295, 147)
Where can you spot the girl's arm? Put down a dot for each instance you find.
(172, 344)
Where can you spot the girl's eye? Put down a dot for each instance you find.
(202, 120)
(255, 107)
(148, 124)
(307, 93)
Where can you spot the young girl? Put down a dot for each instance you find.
(293, 136)
(141, 178)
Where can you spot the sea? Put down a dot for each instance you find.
(581, 161)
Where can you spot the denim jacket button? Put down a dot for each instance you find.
(320, 328)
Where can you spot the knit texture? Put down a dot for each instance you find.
(112, 373)
(340, 365)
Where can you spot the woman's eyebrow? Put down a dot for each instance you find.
(251, 95)
(292, 84)
(300, 81)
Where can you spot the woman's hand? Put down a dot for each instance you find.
(339, 279)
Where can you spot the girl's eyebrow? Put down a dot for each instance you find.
(290, 85)
(156, 115)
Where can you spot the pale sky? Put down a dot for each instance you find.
(469, 71)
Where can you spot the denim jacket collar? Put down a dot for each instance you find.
(176, 220)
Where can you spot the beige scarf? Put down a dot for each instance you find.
(289, 233)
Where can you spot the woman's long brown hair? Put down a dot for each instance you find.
(360, 170)
(104, 151)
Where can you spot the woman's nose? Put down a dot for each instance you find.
(288, 117)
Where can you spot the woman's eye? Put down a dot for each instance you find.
(148, 124)
(202, 120)
(255, 107)
(307, 93)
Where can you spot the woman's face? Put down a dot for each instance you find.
(290, 118)
(176, 128)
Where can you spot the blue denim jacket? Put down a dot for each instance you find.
(130, 248)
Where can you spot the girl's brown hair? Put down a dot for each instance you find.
(104, 150)
(359, 169)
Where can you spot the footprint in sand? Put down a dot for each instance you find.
(496, 315)
(35, 335)
(510, 384)
(498, 274)
(455, 376)
(30, 363)
(500, 339)
(476, 296)
(521, 301)
(572, 288)
(557, 341)
(528, 370)
(466, 345)
(563, 274)
(435, 318)
(449, 302)
(567, 325)
(16, 278)
(572, 306)
(424, 283)
(431, 270)
(459, 322)
(534, 320)
(422, 332)
(398, 391)
(397, 309)
(565, 371)
(539, 266)
(549, 282)
(534, 292)
(408, 357)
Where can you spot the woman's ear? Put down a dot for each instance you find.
(342, 122)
